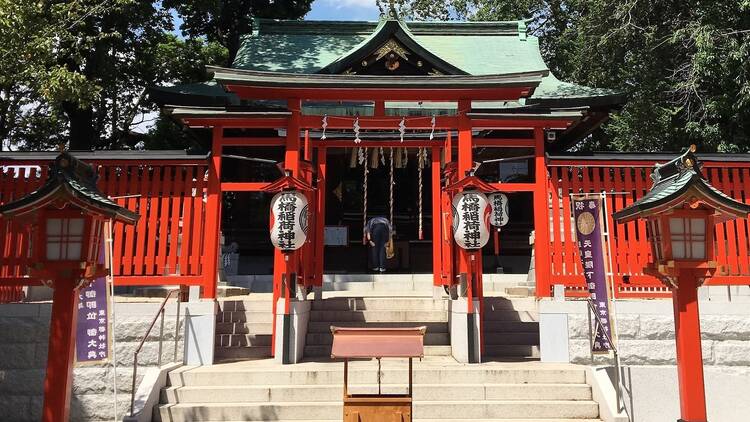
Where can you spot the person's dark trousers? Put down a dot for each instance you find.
(380, 238)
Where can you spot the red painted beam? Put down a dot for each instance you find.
(372, 144)
(236, 122)
(255, 142)
(244, 186)
(155, 280)
(379, 122)
(505, 143)
(19, 281)
(514, 187)
(520, 123)
(376, 94)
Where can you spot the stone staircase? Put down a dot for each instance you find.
(443, 390)
(511, 328)
(243, 329)
(378, 312)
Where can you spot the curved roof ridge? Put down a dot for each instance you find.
(390, 28)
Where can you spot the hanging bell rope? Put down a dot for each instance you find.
(390, 194)
(420, 165)
(364, 190)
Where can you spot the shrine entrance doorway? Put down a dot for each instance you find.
(368, 181)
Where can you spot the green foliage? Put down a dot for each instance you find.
(225, 21)
(76, 71)
(683, 64)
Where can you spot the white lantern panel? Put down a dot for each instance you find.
(289, 220)
(499, 203)
(64, 239)
(471, 219)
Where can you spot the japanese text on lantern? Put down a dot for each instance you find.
(286, 207)
(472, 224)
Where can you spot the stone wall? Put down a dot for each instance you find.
(646, 333)
(24, 330)
(647, 351)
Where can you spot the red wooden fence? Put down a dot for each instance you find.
(625, 182)
(164, 247)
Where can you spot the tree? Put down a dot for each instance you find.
(683, 64)
(226, 21)
(78, 71)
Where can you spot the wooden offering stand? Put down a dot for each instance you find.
(377, 343)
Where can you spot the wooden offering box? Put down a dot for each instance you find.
(377, 343)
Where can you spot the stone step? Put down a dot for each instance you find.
(313, 374)
(496, 326)
(512, 351)
(422, 392)
(242, 353)
(239, 327)
(495, 338)
(334, 409)
(325, 327)
(242, 340)
(245, 316)
(499, 303)
(379, 303)
(524, 316)
(508, 409)
(246, 305)
(314, 351)
(379, 316)
(440, 338)
(494, 419)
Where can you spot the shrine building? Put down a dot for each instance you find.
(393, 119)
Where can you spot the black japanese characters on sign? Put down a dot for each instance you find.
(289, 220)
(471, 215)
(499, 203)
(589, 234)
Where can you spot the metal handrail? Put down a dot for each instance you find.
(160, 312)
(618, 388)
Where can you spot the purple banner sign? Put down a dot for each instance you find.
(92, 327)
(589, 234)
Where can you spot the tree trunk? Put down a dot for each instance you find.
(82, 135)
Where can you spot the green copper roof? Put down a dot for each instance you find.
(477, 48)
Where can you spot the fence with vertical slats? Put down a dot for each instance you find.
(626, 181)
(164, 247)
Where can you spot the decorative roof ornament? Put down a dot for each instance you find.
(392, 13)
(70, 182)
(681, 183)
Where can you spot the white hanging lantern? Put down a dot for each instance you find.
(471, 219)
(499, 203)
(289, 220)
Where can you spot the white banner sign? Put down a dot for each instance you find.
(471, 219)
(499, 202)
(289, 220)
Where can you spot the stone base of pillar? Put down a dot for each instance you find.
(200, 331)
(291, 331)
(465, 331)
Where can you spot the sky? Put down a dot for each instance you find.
(356, 10)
